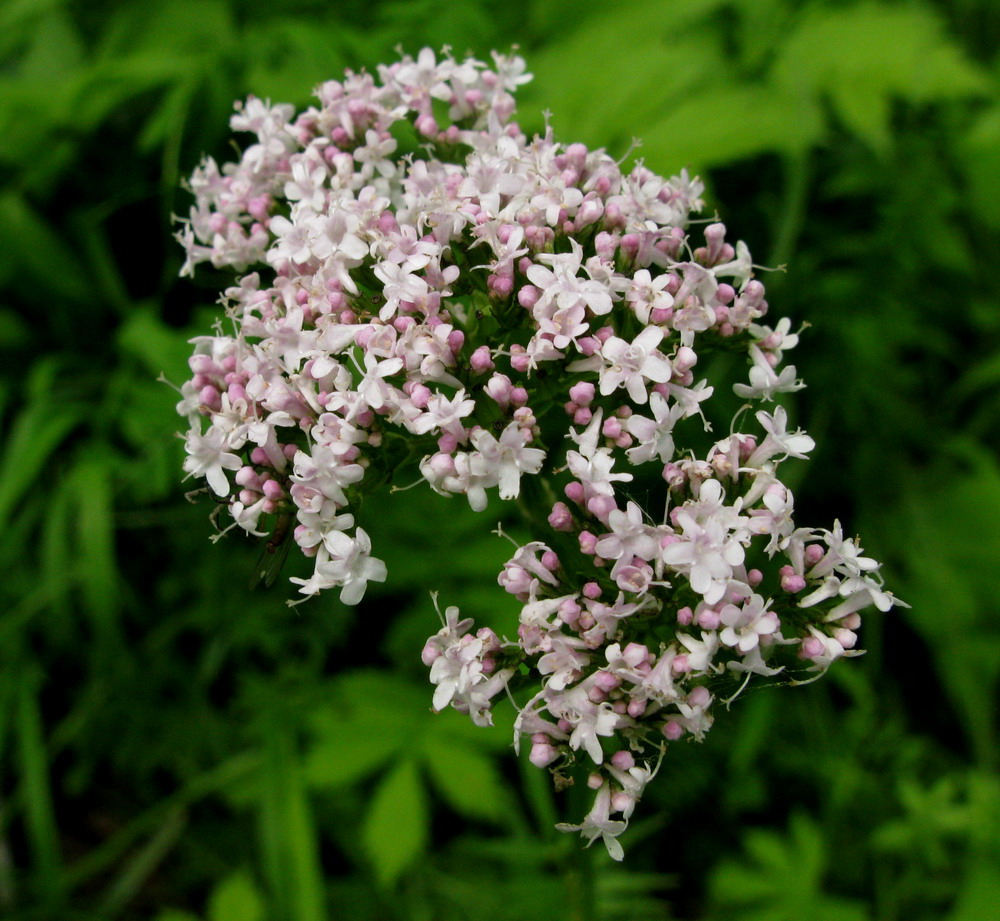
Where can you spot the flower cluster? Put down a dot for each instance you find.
(434, 290)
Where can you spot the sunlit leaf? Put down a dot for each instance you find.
(236, 898)
(467, 779)
(659, 65)
(732, 123)
(397, 826)
(865, 54)
(373, 716)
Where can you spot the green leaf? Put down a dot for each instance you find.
(290, 843)
(287, 57)
(657, 65)
(467, 779)
(95, 549)
(34, 436)
(981, 162)
(174, 914)
(347, 751)
(374, 715)
(40, 254)
(732, 123)
(36, 790)
(397, 826)
(56, 50)
(236, 898)
(782, 880)
(864, 55)
(979, 894)
(158, 348)
(951, 544)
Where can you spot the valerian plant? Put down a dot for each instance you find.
(433, 291)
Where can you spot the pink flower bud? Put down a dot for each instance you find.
(846, 638)
(542, 754)
(708, 619)
(812, 646)
(481, 360)
(672, 730)
(601, 507)
(420, 394)
(582, 393)
(247, 476)
(612, 428)
(606, 681)
(623, 760)
(699, 697)
(635, 654)
(561, 519)
(621, 801)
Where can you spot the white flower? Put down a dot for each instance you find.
(598, 824)
(655, 436)
(208, 457)
(764, 383)
(345, 562)
(630, 365)
(744, 626)
(506, 459)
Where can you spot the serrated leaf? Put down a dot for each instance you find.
(468, 780)
(236, 898)
(397, 826)
(732, 123)
(374, 715)
(658, 66)
(865, 54)
(347, 752)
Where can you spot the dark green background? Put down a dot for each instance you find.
(174, 747)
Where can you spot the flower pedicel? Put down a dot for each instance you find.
(432, 287)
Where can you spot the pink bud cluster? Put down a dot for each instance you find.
(434, 291)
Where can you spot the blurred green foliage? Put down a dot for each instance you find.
(175, 748)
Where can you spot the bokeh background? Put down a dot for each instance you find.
(175, 747)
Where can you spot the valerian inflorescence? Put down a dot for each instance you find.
(431, 287)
